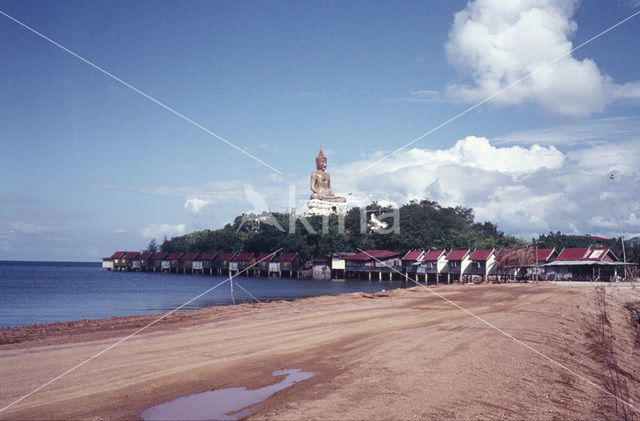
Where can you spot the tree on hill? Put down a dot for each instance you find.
(423, 224)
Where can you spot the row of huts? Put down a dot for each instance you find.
(466, 265)
(429, 266)
(210, 263)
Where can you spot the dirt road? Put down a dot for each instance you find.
(403, 354)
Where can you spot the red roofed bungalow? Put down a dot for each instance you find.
(243, 261)
(432, 265)
(289, 263)
(483, 262)
(185, 263)
(108, 263)
(263, 260)
(160, 262)
(142, 262)
(206, 263)
(223, 262)
(457, 263)
(173, 259)
(125, 262)
(410, 262)
(374, 261)
(587, 264)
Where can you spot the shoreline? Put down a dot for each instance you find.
(414, 354)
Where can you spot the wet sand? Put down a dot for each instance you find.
(403, 354)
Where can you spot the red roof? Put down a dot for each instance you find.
(117, 255)
(131, 254)
(287, 257)
(208, 256)
(480, 254)
(145, 256)
(265, 257)
(174, 256)
(545, 254)
(573, 254)
(413, 255)
(189, 256)
(601, 239)
(593, 254)
(457, 254)
(243, 257)
(433, 255)
(226, 256)
(599, 253)
(371, 254)
(160, 255)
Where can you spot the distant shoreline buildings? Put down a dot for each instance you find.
(428, 266)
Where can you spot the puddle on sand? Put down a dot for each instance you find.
(224, 404)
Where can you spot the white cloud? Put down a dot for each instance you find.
(525, 190)
(29, 228)
(195, 205)
(496, 43)
(160, 230)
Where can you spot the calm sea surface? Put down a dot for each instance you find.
(44, 292)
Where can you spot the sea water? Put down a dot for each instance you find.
(45, 292)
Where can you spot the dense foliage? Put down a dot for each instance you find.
(422, 225)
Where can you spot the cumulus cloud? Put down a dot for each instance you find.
(496, 43)
(160, 230)
(195, 205)
(526, 190)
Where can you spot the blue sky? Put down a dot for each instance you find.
(90, 166)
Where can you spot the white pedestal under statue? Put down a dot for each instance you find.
(322, 208)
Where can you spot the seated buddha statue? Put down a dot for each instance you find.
(321, 182)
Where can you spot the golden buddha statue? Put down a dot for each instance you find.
(321, 182)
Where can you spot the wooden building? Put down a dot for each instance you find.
(206, 263)
(223, 263)
(243, 262)
(125, 263)
(482, 264)
(289, 264)
(263, 260)
(376, 264)
(337, 264)
(585, 264)
(185, 264)
(410, 262)
(159, 260)
(143, 262)
(432, 266)
(320, 268)
(174, 262)
(457, 263)
(109, 263)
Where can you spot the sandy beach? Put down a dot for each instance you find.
(402, 354)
